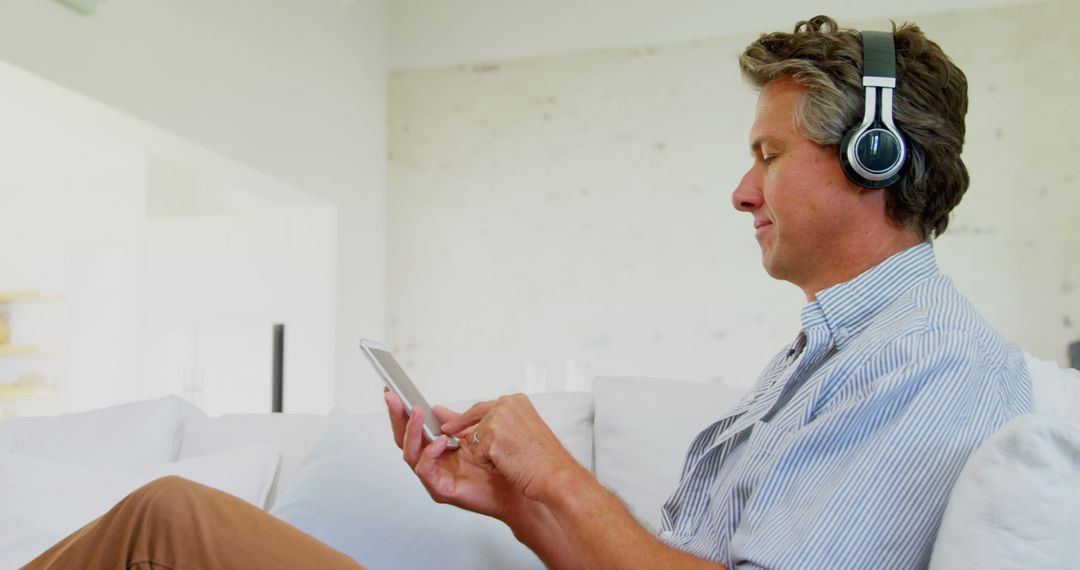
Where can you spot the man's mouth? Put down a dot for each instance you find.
(758, 224)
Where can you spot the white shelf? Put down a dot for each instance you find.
(13, 296)
(17, 392)
(25, 350)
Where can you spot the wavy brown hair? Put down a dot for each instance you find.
(930, 101)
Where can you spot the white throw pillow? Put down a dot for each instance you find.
(1016, 503)
(291, 434)
(43, 501)
(120, 438)
(356, 494)
(643, 428)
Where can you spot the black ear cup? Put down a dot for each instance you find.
(877, 152)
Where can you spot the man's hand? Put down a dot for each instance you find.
(468, 479)
(516, 470)
(461, 477)
(512, 436)
(595, 529)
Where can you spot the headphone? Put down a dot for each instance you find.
(873, 152)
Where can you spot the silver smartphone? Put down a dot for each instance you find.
(382, 359)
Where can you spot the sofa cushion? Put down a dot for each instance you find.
(1016, 503)
(355, 493)
(117, 437)
(291, 434)
(44, 501)
(643, 428)
(7, 436)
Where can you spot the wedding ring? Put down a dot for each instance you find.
(475, 438)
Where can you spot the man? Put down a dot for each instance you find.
(843, 453)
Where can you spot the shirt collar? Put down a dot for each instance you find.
(845, 307)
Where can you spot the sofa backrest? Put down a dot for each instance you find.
(294, 434)
(119, 437)
(642, 429)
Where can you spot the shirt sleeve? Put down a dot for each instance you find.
(864, 483)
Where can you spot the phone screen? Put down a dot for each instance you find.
(405, 388)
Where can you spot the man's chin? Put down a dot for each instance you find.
(767, 264)
(772, 266)
(773, 273)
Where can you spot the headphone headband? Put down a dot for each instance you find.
(879, 59)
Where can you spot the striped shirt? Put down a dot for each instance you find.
(844, 452)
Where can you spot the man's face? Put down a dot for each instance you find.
(802, 203)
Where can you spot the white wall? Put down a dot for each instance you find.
(1014, 242)
(423, 33)
(251, 268)
(295, 89)
(140, 232)
(70, 205)
(511, 179)
(565, 216)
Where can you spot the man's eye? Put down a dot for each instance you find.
(767, 158)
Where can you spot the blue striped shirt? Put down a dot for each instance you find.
(844, 452)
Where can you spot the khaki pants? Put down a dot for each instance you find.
(175, 523)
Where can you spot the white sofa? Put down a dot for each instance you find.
(340, 477)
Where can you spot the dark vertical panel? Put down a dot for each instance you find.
(279, 368)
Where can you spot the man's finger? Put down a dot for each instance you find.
(472, 452)
(398, 418)
(426, 467)
(414, 437)
(444, 414)
(468, 418)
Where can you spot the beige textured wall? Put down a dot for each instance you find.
(557, 218)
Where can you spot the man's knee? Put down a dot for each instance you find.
(169, 494)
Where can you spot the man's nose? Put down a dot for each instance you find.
(747, 196)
